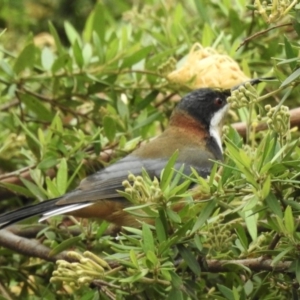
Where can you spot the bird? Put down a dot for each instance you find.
(194, 130)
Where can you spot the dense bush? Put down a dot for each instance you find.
(66, 111)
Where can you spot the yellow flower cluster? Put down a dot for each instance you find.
(205, 67)
(87, 268)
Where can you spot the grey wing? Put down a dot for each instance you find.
(105, 183)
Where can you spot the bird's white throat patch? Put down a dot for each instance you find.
(214, 129)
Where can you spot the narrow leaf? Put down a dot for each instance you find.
(25, 59)
(190, 259)
(289, 220)
(148, 242)
(291, 78)
(168, 171)
(62, 176)
(251, 223)
(109, 126)
(204, 215)
(66, 244)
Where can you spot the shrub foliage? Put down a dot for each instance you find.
(67, 111)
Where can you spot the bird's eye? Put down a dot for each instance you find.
(218, 102)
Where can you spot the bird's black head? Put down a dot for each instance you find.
(209, 106)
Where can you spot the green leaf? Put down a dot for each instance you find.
(242, 236)
(251, 200)
(61, 62)
(266, 187)
(201, 6)
(280, 256)
(52, 188)
(66, 244)
(251, 223)
(56, 38)
(198, 243)
(109, 126)
(190, 259)
(47, 58)
(146, 101)
(248, 287)
(153, 117)
(33, 146)
(87, 54)
(17, 189)
(289, 52)
(226, 292)
(205, 187)
(160, 230)
(98, 21)
(152, 257)
(175, 294)
(36, 105)
(176, 280)
(135, 277)
(207, 35)
(26, 59)
(273, 204)
(204, 215)
(102, 229)
(289, 220)
(134, 258)
(291, 78)
(77, 51)
(168, 171)
(7, 68)
(173, 216)
(148, 242)
(33, 188)
(62, 177)
(135, 57)
(71, 33)
(122, 109)
(47, 163)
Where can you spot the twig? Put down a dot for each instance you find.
(241, 127)
(30, 231)
(103, 286)
(245, 41)
(15, 173)
(254, 264)
(29, 247)
(100, 283)
(33, 248)
(273, 243)
(165, 99)
(7, 106)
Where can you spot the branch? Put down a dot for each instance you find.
(254, 264)
(33, 248)
(31, 231)
(247, 40)
(241, 127)
(29, 247)
(7, 106)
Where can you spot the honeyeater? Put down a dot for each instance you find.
(194, 131)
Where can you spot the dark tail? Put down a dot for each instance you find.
(27, 212)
